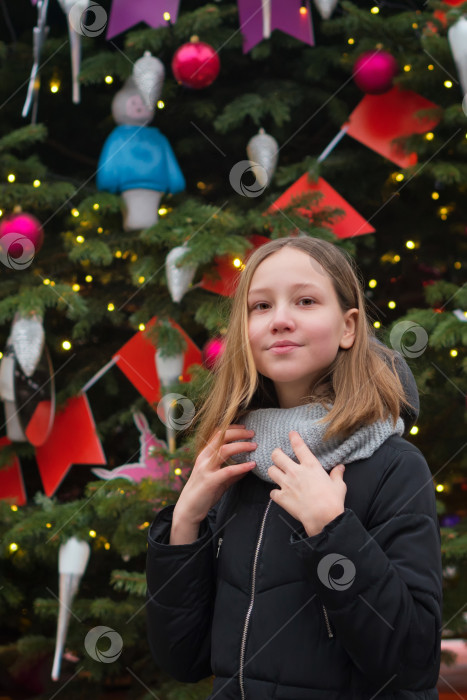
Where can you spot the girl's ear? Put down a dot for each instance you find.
(350, 329)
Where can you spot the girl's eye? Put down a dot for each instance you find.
(263, 303)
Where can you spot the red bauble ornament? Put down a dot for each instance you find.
(21, 237)
(195, 64)
(374, 72)
(212, 351)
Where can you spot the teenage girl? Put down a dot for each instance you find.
(278, 572)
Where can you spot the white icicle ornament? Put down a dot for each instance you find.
(457, 37)
(27, 338)
(263, 151)
(148, 75)
(179, 279)
(325, 7)
(73, 557)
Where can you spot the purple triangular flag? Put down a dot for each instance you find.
(284, 15)
(125, 14)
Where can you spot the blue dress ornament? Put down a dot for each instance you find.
(137, 160)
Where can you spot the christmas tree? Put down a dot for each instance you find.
(118, 320)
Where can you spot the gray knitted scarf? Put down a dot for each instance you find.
(272, 426)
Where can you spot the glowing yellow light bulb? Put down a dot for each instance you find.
(431, 67)
(162, 211)
(443, 210)
(410, 245)
(396, 258)
(414, 430)
(66, 345)
(88, 278)
(201, 185)
(392, 304)
(351, 41)
(48, 525)
(80, 239)
(141, 326)
(1, 212)
(177, 471)
(439, 487)
(399, 177)
(237, 262)
(100, 229)
(166, 16)
(76, 287)
(377, 324)
(14, 508)
(303, 9)
(110, 307)
(107, 545)
(372, 284)
(448, 83)
(118, 253)
(13, 547)
(95, 206)
(92, 533)
(11, 177)
(108, 79)
(407, 67)
(414, 25)
(36, 183)
(54, 85)
(429, 136)
(46, 281)
(457, 265)
(374, 10)
(141, 279)
(453, 352)
(74, 212)
(435, 195)
(160, 104)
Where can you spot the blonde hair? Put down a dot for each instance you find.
(359, 387)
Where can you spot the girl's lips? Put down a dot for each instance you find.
(281, 349)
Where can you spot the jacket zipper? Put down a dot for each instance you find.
(250, 608)
(330, 634)
(221, 539)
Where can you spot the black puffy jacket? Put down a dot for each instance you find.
(352, 613)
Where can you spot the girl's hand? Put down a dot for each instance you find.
(308, 492)
(208, 479)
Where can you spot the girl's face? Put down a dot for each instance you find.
(291, 298)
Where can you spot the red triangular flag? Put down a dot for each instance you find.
(73, 440)
(11, 480)
(351, 224)
(137, 360)
(379, 119)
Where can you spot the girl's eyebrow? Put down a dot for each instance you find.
(298, 285)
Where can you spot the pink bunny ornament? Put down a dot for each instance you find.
(151, 464)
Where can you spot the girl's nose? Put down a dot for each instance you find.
(281, 318)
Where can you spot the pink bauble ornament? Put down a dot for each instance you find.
(195, 64)
(374, 72)
(21, 237)
(212, 352)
